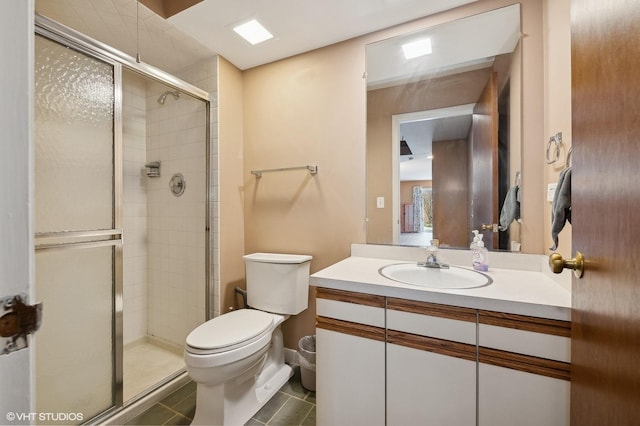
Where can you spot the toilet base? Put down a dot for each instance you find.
(236, 401)
(239, 403)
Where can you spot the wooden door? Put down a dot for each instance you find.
(406, 216)
(450, 192)
(484, 162)
(605, 55)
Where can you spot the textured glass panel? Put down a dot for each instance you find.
(74, 110)
(74, 356)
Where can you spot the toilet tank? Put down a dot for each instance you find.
(277, 283)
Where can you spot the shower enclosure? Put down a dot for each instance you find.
(122, 224)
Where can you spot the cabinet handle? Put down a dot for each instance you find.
(557, 263)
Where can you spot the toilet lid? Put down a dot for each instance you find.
(230, 330)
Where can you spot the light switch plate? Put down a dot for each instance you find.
(380, 202)
(551, 191)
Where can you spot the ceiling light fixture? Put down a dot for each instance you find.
(404, 148)
(417, 48)
(253, 32)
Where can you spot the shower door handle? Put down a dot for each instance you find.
(77, 239)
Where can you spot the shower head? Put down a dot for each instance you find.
(163, 97)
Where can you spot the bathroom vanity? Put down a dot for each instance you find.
(394, 353)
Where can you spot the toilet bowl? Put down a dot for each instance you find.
(237, 359)
(237, 370)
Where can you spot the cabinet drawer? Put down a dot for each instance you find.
(350, 312)
(533, 345)
(432, 320)
(525, 342)
(438, 327)
(350, 297)
(351, 307)
(538, 337)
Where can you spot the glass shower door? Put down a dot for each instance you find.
(78, 240)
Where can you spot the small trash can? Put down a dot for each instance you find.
(307, 359)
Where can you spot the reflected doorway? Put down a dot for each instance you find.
(419, 232)
(418, 176)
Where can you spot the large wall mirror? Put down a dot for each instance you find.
(443, 133)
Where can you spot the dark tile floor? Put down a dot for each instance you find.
(292, 405)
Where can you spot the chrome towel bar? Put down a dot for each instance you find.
(312, 170)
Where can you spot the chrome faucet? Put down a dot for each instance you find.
(432, 257)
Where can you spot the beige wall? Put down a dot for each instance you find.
(515, 132)
(557, 106)
(532, 133)
(308, 109)
(311, 109)
(231, 181)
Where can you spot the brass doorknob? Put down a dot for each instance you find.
(557, 263)
(493, 227)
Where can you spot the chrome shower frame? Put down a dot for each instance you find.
(71, 38)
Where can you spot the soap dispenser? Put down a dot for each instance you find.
(479, 253)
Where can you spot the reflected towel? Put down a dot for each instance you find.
(510, 208)
(561, 205)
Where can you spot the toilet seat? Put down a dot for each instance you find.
(229, 331)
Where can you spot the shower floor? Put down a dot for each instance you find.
(147, 362)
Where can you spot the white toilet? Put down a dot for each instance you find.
(237, 359)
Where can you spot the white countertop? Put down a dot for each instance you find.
(515, 291)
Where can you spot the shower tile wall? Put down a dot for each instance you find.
(134, 207)
(164, 256)
(176, 225)
(204, 74)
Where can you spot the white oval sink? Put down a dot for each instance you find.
(453, 277)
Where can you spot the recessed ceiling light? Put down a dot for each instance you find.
(253, 32)
(417, 48)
